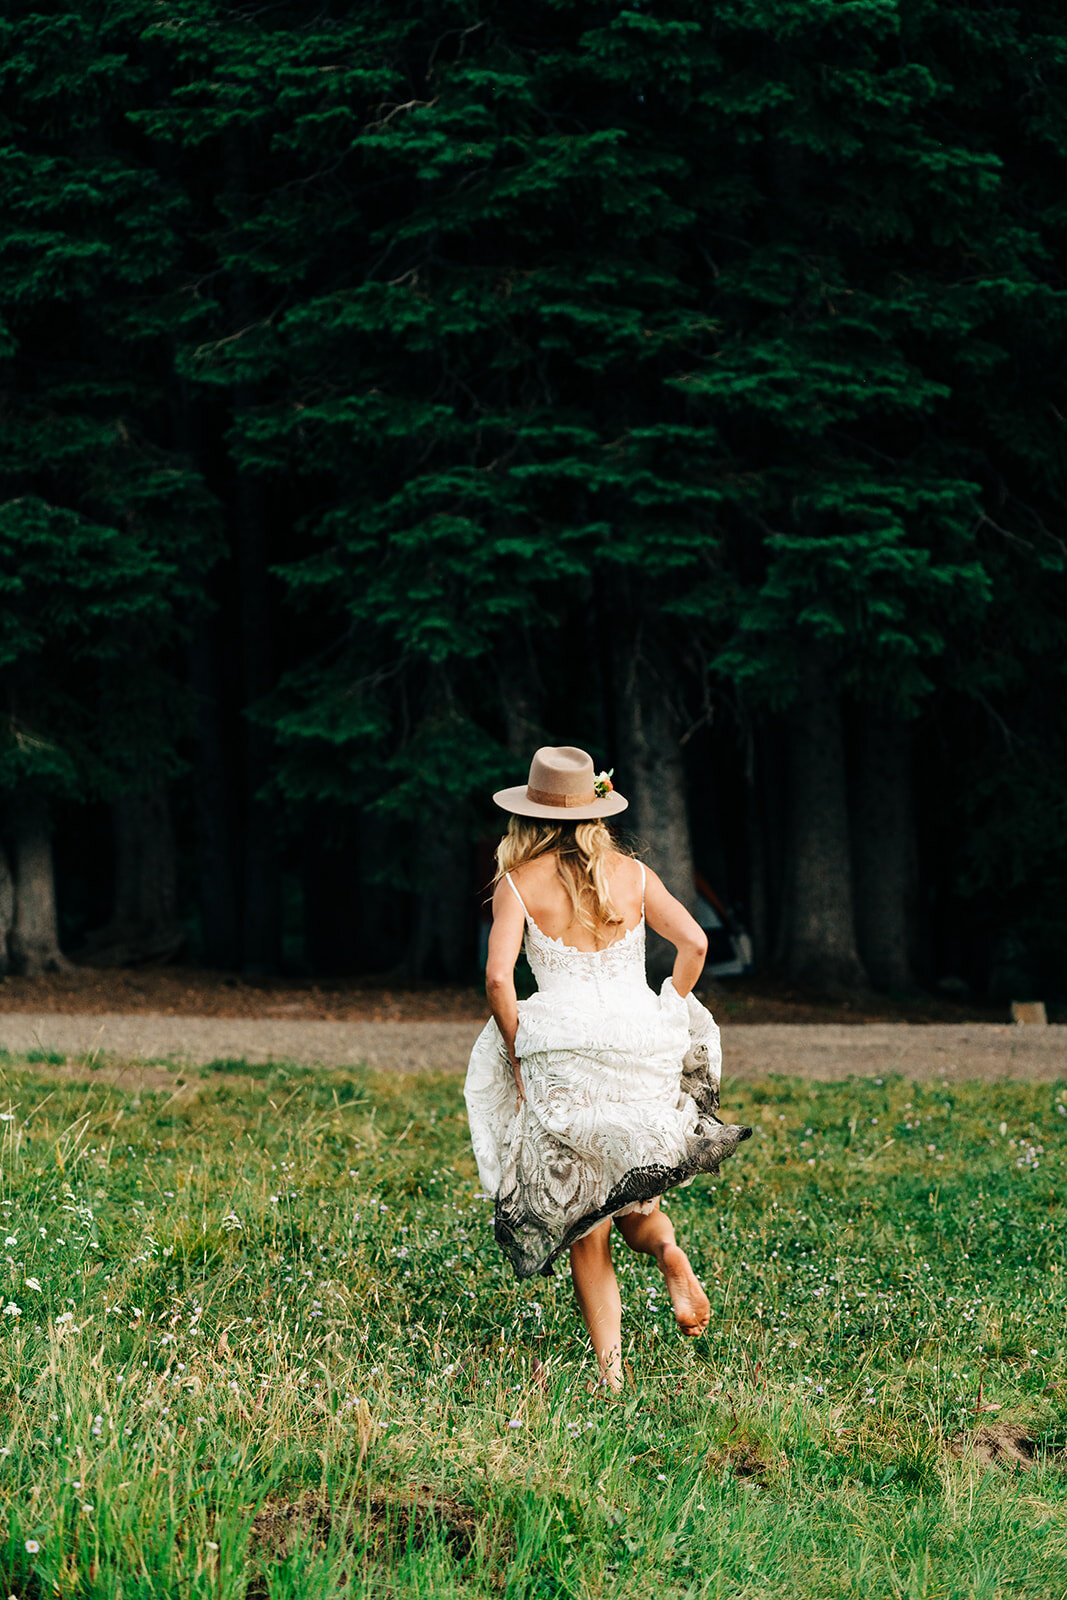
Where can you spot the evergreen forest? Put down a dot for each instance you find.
(392, 387)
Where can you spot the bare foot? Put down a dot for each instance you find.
(606, 1385)
(610, 1364)
(691, 1307)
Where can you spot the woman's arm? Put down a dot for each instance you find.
(669, 917)
(505, 942)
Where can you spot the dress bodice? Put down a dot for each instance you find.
(596, 977)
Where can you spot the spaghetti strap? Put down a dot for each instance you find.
(641, 864)
(518, 897)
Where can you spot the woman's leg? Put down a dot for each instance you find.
(652, 1233)
(598, 1296)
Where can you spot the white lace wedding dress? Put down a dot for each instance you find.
(621, 1085)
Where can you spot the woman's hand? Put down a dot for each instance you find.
(521, 1093)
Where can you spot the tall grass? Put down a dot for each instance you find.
(257, 1340)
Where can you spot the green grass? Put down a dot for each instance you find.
(259, 1342)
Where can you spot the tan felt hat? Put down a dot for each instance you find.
(562, 787)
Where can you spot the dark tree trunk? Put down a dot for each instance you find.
(820, 941)
(214, 779)
(521, 698)
(883, 848)
(213, 782)
(7, 910)
(772, 776)
(262, 908)
(442, 941)
(144, 924)
(261, 874)
(335, 904)
(382, 920)
(765, 829)
(652, 776)
(34, 941)
(756, 837)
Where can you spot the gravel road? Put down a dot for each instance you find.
(932, 1050)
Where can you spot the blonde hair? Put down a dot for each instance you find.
(581, 850)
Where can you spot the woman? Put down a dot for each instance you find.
(592, 1098)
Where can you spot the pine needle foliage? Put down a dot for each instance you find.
(709, 335)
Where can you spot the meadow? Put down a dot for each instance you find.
(257, 1342)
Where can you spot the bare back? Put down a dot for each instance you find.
(550, 906)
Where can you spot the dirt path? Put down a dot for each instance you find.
(175, 991)
(112, 1042)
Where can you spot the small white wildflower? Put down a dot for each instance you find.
(32, 1547)
(12, 1310)
(516, 1422)
(12, 1238)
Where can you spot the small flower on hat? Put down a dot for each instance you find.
(602, 784)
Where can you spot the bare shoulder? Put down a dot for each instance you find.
(503, 895)
(625, 870)
(532, 874)
(656, 890)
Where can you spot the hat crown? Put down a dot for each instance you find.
(562, 770)
(562, 786)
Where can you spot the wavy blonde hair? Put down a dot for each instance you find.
(581, 850)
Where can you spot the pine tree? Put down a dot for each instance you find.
(584, 373)
(872, 285)
(104, 530)
(680, 332)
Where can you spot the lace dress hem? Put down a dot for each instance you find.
(523, 1240)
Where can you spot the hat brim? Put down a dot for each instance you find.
(515, 801)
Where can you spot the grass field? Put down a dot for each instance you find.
(258, 1341)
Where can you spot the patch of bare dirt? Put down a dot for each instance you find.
(745, 1463)
(1003, 1444)
(387, 1519)
(201, 992)
(740, 1455)
(767, 1000)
